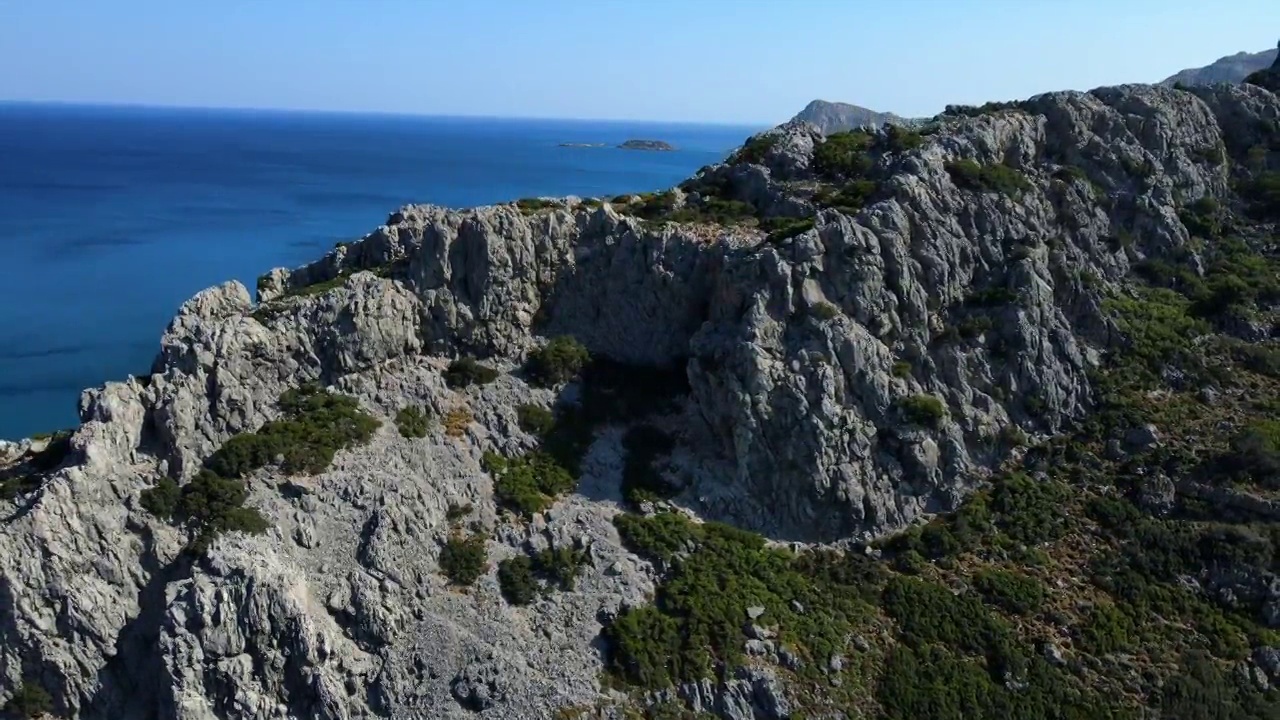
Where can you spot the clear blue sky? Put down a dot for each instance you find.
(749, 61)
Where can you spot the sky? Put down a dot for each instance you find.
(726, 61)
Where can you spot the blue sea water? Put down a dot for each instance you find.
(111, 217)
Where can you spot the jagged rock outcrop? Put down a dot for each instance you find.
(840, 386)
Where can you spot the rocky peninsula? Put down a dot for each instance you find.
(969, 419)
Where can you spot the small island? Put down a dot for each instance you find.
(646, 145)
(583, 145)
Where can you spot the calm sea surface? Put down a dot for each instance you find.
(111, 217)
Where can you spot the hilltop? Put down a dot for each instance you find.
(833, 117)
(1230, 69)
(974, 418)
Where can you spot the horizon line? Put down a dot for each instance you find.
(378, 113)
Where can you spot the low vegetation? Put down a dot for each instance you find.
(559, 361)
(467, 371)
(29, 700)
(994, 178)
(413, 422)
(31, 470)
(524, 578)
(535, 419)
(463, 559)
(527, 484)
(927, 410)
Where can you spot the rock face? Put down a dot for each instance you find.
(1229, 69)
(833, 117)
(840, 387)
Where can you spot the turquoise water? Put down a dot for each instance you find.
(111, 217)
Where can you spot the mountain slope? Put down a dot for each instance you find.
(832, 117)
(969, 420)
(1229, 69)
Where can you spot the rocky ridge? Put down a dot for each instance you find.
(833, 117)
(868, 327)
(1230, 69)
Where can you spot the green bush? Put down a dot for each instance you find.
(755, 149)
(902, 369)
(785, 228)
(925, 410)
(529, 206)
(901, 139)
(535, 419)
(464, 559)
(515, 578)
(928, 613)
(559, 361)
(1255, 453)
(1015, 592)
(413, 422)
(640, 480)
(315, 426)
(528, 484)
(207, 506)
(843, 156)
(1263, 194)
(1106, 630)
(456, 512)
(848, 198)
(467, 371)
(29, 700)
(997, 178)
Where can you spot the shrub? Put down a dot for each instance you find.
(527, 484)
(998, 178)
(315, 426)
(1255, 453)
(1106, 630)
(535, 419)
(559, 361)
(1017, 593)
(849, 198)
(645, 647)
(413, 422)
(467, 371)
(785, 228)
(207, 506)
(755, 149)
(900, 139)
(515, 578)
(464, 559)
(529, 206)
(923, 409)
(457, 420)
(456, 512)
(29, 701)
(902, 369)
(929, 613)
(843, 156)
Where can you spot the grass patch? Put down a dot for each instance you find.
(457, 420)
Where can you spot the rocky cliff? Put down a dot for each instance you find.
(378, 490)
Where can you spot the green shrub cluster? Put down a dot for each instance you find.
(713, 574)
(785, 228)
(902, 139)
(995, 178)
(1013, 591)
(528, 484)
(524, 578)
(206, 507)
(464, 559)
(755, 149)
(844, 155)
(559, 361)
(849, 198)
(29, 700)
(530, 206)
(316, 424)
(535, 419)
(641, 481)
(989, 108)
(413, 422)
(923, 409)
(1159, 330)
(1255, 454)
(467, 371)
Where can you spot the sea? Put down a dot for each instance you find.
(111, 217)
